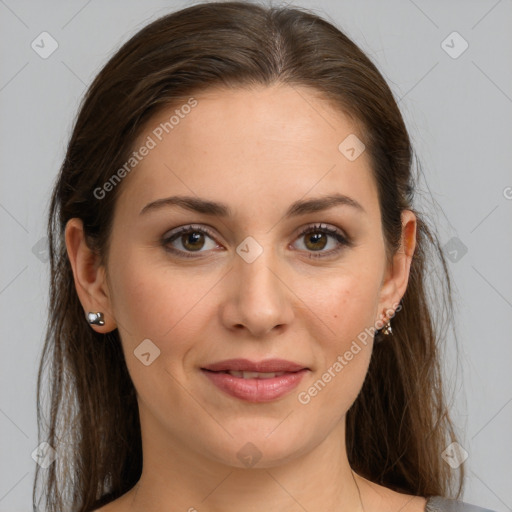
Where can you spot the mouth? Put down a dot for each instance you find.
(256, 387)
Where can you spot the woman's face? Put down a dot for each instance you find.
(249, 284)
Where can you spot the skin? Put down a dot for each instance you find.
(217, 306)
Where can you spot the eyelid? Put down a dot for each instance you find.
(322, 226)
(190, 228)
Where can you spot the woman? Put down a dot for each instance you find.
(240, 317)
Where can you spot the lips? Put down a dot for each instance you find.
(255, 381)
(255, 390)
(245, 365)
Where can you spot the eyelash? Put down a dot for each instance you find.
(343, 241)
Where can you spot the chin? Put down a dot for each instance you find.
(261, 452)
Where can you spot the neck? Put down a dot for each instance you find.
(184, 478)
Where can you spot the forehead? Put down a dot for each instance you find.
(274, 142)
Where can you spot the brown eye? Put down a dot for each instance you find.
(316, 241)
(187, 240)
(193, 241)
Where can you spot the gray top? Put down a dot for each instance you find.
(440, 504)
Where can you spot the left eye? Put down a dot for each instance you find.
(317, 239)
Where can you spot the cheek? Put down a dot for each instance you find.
(347, 304)
(158, 302)
(142, 302)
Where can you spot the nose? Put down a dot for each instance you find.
(259, 298)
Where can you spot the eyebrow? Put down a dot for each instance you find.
(208, 207)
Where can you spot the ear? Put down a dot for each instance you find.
(396, 277)
(90, 278)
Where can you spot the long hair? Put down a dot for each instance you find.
(399, 424)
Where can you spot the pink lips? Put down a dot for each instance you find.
(256, 389)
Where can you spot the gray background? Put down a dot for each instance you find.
(458, 111)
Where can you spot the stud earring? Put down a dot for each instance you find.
(95, 318)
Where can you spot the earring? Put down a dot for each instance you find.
(387, 330)
(95, 318)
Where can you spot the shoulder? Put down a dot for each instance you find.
(440, 504)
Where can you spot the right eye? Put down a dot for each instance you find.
(191, 238)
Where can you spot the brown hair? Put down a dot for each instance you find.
(399, 424)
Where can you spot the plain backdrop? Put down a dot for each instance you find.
(457, 103)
